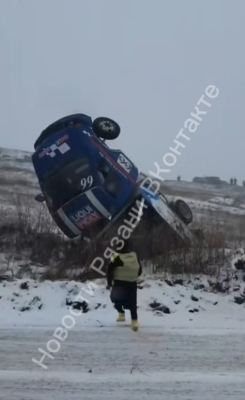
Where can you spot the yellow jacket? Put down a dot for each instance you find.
(124, 267)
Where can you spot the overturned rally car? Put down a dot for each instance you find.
(90, 189)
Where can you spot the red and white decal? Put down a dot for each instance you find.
(59, 145)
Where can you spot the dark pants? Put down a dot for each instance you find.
(124, 297)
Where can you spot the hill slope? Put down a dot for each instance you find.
(225, 202)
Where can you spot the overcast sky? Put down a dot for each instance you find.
(144, 63)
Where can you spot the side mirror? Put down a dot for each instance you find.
(40, 198)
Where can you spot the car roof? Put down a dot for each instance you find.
(83, 118)
(63, 122)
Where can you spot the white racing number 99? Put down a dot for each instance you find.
(87, 182)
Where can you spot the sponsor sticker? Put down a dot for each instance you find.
(85, 217)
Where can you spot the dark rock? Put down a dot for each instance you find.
(78, 305)
(215, 304)
(169, 282)
(239, 299)
(81, 306)
(178, 282)
(25, 309)
(191, 311)
(155, 304)
(98, 305)
(240, 265)
(24, 285)
(199, 287)
(160, 307)
(194, 298)
(176, 301)
(165, 309)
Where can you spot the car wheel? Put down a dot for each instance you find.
(183, 211)
(106, 128)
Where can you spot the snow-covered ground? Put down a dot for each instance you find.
(191, 340)
(115, 363)
(191, 346)
(45, 304)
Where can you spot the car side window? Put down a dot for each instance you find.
(110, 180)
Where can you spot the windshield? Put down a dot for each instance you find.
(67, 183)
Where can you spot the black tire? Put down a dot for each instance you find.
(183, 211)
(106, 128)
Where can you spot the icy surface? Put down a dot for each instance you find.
(115, 363)
(181, 355)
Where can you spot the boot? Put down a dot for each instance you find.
(134, 325)
(121, 317)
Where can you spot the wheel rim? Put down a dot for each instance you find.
(107, 126)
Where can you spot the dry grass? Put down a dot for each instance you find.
(32, 234)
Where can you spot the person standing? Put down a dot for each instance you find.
(122, 274)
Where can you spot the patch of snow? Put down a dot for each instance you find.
(222, 200)
(209, 206)
(194, 300)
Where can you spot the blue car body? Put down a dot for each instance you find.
(83, 181)
(89, 188)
